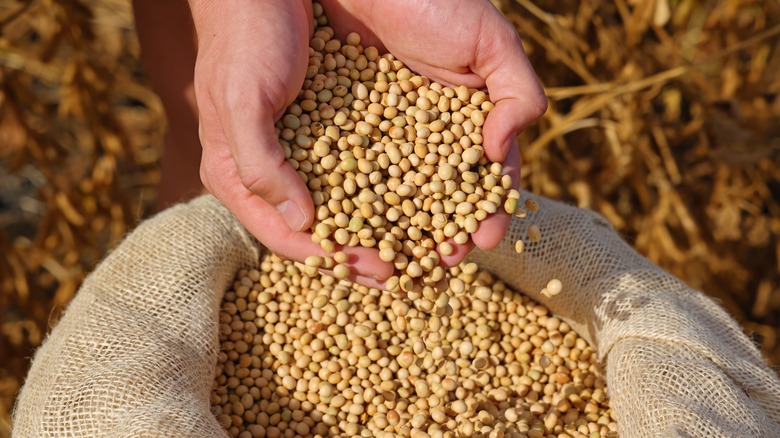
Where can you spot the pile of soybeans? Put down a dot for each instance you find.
(395, 161)
(322, 357)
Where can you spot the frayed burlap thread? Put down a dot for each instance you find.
(134, 353)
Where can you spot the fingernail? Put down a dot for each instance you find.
(292, 215)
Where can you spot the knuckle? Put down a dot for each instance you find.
(256, 179)
(264, 179)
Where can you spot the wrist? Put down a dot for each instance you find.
(208, 15)
(203, 12)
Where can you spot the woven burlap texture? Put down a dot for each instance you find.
(134, 353)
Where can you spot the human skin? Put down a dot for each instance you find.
(251, 63)
(167, 38)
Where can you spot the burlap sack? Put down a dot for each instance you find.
(134, 353)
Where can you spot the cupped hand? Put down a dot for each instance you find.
(457, 42)
(252, 59)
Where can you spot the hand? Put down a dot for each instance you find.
(457, 42)
(251, 63)
(252, 59)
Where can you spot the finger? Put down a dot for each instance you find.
(222, 177)
(511, 165)
(365, 262)
(490, 231)
(260, 218)
(261, 165)
(459, 253)
(368, 281)
(359, 279)
(264, 222)
(512, 85)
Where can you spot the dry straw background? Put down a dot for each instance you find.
(664, 117)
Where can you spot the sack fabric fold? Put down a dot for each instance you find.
(135, 351)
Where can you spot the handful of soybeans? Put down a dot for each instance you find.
(393, 160)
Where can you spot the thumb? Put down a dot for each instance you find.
(263, 170)
(512, 84)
